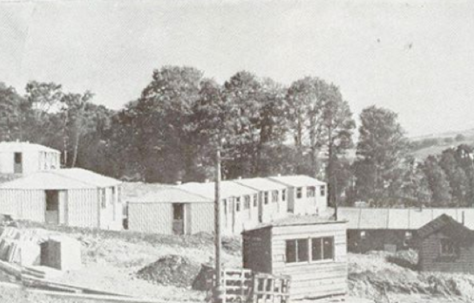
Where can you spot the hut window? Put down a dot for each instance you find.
(237, 204)
(247, 202)
(448, 248)
(322, 248)
(283, 195)
(408, 235)
(299, 193)
(296, 250)
(255, 200)
(275, 196)
(119, 194)
(265, 197)
(310, 191)
(322, 191)
(224, 201)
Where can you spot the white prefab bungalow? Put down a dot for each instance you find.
(272, 198)
(240, 208)
(171, 210)
(73, 197)
(306, 195)
(26, 158)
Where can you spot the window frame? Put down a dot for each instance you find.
(322, 191)
(283, 195)
(299, 193)
(310, 191)
(265, 197)
(274, 196)
(454, 246)
(237, 204)
(247, 202)
(255, 200)
(309, 250)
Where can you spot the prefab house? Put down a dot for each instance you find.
(392, 229)
(306, 195)
(240, 208)
(272, 198)
(26, 158)
(310, 249)
(445, 245)
(73, 197)
(171, 210)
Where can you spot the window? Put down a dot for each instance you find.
(283, 195)
(448, 248)
(296, 250)
(310, 191)
(299, 193)
(275, 196)
(112, 194)
(18, 158)
(322, 248)
(247, 202)
(255, 200)
(178, 212)
(237, 204)
(224, 202)
(265, 197)
(322, 191)
(103, 200)
(119, 194)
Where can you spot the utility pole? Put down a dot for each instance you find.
(217, 219)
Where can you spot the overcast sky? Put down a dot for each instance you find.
(413, 57)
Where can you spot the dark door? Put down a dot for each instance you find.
(18, 163)
(52, 206)
(178, 218)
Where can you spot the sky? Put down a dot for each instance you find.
(414, 57)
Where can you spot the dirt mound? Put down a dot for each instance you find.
(171, 270)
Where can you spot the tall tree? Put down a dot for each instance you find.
(437, 182)
(11, 114)
(380, 151)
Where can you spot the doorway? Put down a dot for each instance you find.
(178, 219)
(52, 206)
(18, 163)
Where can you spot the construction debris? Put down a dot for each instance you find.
(171, 270)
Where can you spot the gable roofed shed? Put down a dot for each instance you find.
(58, 179)
(448, 225)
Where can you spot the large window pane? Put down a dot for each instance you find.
(316, 249)
(290, 251)
(302, 250)
(328, 248)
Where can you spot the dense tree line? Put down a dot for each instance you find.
(172, 130)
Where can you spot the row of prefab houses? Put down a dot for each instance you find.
(286, 226)
(77, 197)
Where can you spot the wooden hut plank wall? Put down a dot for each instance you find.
(26, 158)
(73, 197)
(446, 245)
(310, 249)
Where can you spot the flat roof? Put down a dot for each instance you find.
(66, 178)
(24, 146)
(260, 184)
(293, 220)
(297, 180)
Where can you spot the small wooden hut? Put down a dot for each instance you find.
(446, 245)
(310, 249)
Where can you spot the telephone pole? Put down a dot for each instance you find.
(217, 219)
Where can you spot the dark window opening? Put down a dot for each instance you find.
(178, 212)
(299, 193)
(18, 158)
(52, 200)
(283, 195)
(322, 191)
(322, 248)
(297, 250)
(275, 196)
(448, 248)
(265, 197)
(310, 191)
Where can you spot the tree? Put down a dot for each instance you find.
(455, 175)
(380, 151)
(11, 114)
(437, 182)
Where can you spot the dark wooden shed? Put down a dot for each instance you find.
(446, 245)
(310, 249)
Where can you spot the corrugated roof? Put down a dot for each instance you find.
(261, 184)
(171, 194)
(228, 189)
(398, 218)
(24, 146)
(57, 179)
(297, 180)
(297, 220)
(456, 229)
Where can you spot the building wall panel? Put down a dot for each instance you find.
(202, 217)
(150, 217)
